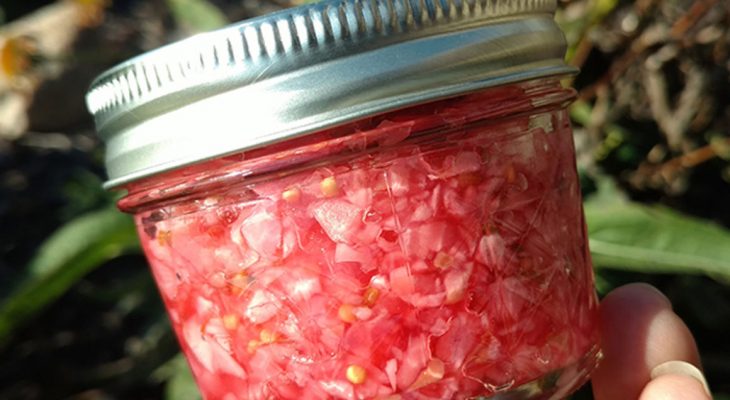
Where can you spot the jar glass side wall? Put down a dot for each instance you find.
(412, 258)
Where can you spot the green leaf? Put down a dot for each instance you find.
(630, 236)
(65, 257)
(180, 382)
(576, 26)
(197, 15)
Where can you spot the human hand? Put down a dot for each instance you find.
(649, 353)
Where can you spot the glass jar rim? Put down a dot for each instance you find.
(211, 178)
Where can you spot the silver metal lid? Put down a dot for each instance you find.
(299, 70)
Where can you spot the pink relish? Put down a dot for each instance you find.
(436, 252)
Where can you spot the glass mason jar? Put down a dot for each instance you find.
(362, 200)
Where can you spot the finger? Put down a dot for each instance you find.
(639, 332)
(676, 380)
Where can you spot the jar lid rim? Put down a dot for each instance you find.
(301, 66)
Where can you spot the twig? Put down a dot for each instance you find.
(669, 170)
(656, 33)
(647, 39)
(673, 122)
(697, 156)
(690, 18)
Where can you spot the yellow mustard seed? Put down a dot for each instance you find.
(346, 313)
(442, 260)
(238, 283)
(328, 186)
(370, 296)
(356, 374)
(164, 238)
(230, 321)
(291, 195)
(253, 344)
(267, 336)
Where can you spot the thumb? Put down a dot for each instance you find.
(639, 332)
(676, 380)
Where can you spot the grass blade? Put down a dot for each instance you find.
(66, 256)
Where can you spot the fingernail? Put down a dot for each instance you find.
(677, 367)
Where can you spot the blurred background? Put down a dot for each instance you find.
(80, 317)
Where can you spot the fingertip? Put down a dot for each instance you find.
(637, 294)
(675, 387)
(639, 331)
(678, 367)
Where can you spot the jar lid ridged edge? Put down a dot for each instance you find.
(255, 44)
(271, 51)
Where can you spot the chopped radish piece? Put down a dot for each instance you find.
(339, 389)
(434, 371)
(347, 253)
(262, 231)
(391, 369)
(456, 283)
(338, 218)
(402, 282)
(262, 307)
(414, 360)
